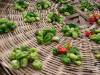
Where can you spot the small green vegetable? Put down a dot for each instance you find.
(75, 35)
(97, 55)
(6, 25)
(66, 9)
(96, 38)
(34, 56)
(43, 4)
(24, 62)
(56, 39)
(74, 50)
(78, 63)
(21, 5)
(45, 36)
(31, 17)
(71, 30)
(73, 56)
(97, 31)
(54, 18)
(37, 65)
(15, 64)
(98, 21)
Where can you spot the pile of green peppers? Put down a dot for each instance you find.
(96, 36)
(21, 5)
(71, 30)
(86, 6)
(71, 56)
(66, 9)
(54, 18)
(20, 58)
(45, 36)
(6, 25)
(31, 17)
(43, 4)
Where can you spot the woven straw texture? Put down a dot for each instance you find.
(24, 34)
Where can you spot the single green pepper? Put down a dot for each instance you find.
(73, 56)
(78, 63)
(55, 51)
(98, 22)
(37, 65)
(56, 39)
(34, 56)
(74, 34)
(15, 64)
(24, 62)
(97, 30)
(97, 56)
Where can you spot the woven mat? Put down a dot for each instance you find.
(24, 34)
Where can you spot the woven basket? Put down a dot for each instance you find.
(24, 34)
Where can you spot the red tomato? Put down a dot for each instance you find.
(62, 50)
(88, 33)
(91, 19)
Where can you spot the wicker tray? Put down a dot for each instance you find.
(24, 34)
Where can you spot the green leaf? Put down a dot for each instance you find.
(65, 59)
(74, 50)
(40, 39)
(55, 51)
